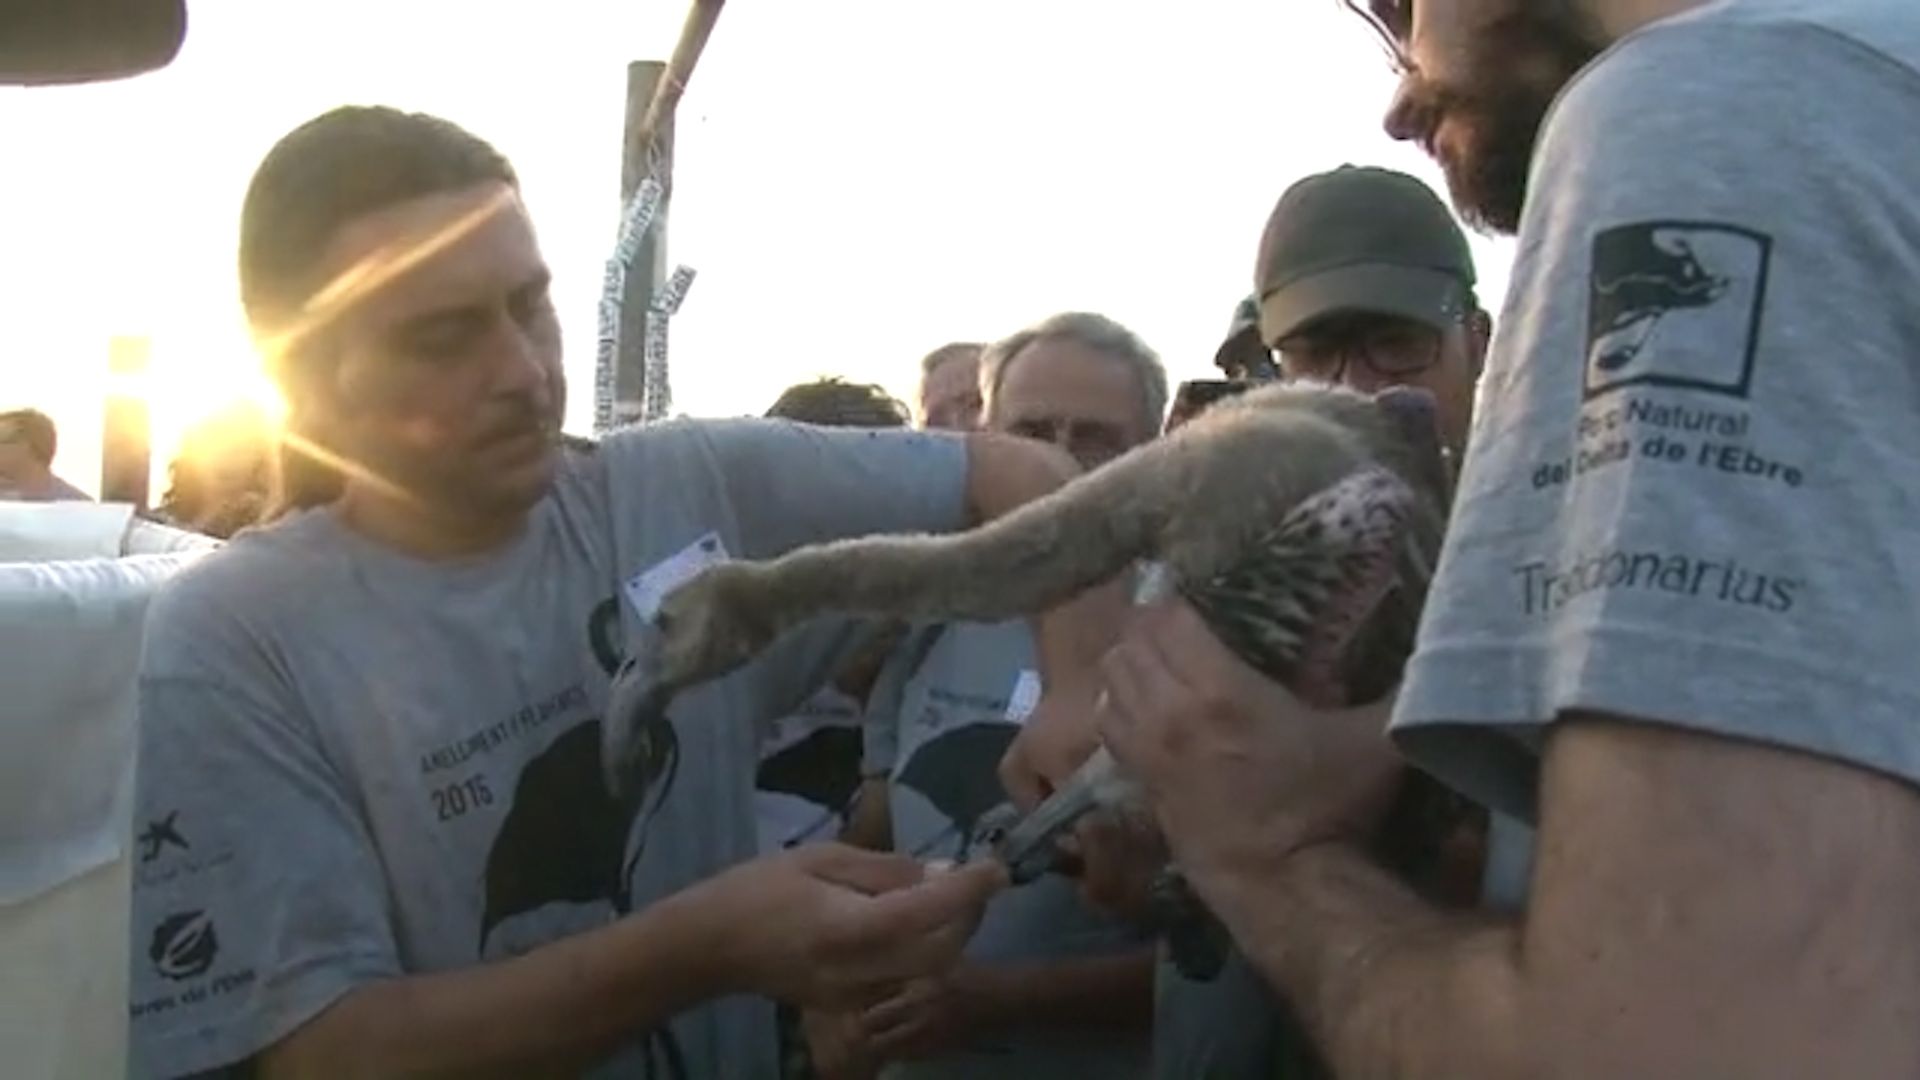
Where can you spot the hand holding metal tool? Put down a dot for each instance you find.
(1029, 846)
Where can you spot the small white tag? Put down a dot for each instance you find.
(646, 589)
(670, 295)
(1025, 696)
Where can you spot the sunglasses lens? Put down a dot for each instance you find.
(1392, 24)
(1394, 16)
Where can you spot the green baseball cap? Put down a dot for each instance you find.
(1361, 239)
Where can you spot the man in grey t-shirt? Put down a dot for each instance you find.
(375, 838)
(1047, 987)
(939, 722)
(1675, 621)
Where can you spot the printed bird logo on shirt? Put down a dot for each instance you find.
(565, 839)
(1641, 275)
(958, 771)
(823, 768)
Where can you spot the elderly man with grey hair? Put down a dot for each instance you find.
(1078, 380)
(1048, 987)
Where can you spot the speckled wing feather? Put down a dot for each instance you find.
(1297, 603)
(1291, 608)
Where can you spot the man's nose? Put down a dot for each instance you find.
(1407, 119)
(520, 362)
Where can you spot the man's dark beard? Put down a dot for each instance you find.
(1534, 54)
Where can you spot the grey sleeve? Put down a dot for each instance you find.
(1691, 494)
(790, 484)
(258, 897)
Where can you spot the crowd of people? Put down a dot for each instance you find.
(1668, 646)
(218, 483)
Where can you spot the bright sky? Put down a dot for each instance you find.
(857, 180)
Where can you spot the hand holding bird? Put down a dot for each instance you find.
(1239, 773)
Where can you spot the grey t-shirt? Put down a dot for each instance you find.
(1226, 1028)
(810, 771)
(356, 765)
(1693, 492)
(938, 725)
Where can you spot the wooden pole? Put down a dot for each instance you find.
(641, 151)
(686, 56)
(653, 93)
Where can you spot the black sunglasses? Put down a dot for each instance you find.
(1392, 23)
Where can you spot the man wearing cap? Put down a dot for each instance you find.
(1244, 356)
(1364, 278)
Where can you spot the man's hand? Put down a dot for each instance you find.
(1117, 857)
(1237, 771)
(1056, 739)
(926, 1017)
(837, 1046)
(822, 926)
(829, 926)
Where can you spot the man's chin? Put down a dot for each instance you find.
(523, 487)
(1485, 189)
(514, 489)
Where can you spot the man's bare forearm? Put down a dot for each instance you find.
(1386, 985)
(1092, 992)
(871, 824)
(552, 1011)
(1005, 473)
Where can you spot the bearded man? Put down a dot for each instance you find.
(1675, 621)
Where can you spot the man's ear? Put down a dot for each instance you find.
(1479, 337)
(313, 379)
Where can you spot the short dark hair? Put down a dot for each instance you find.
(834, 402)
(339, 166)
(33, 427)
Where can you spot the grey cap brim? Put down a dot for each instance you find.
(1427, 296)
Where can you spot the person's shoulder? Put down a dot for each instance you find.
(259, 579)
(658, 448)
(685, 450)
(1891, 27)
(678, 432)
(707, 433)
(999, 647)
(1724, 47)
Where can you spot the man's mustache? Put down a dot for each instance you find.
(520, 424)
